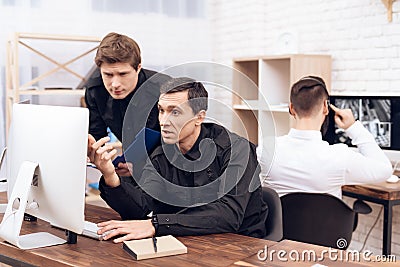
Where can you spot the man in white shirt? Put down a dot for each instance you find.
(303, 162)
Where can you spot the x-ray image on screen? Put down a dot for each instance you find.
(379, 115)
(374, 114)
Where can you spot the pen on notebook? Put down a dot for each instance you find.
(154, 243)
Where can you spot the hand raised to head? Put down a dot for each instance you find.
(344, 118)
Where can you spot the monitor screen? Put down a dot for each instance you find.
(380, 115)
(55, 138)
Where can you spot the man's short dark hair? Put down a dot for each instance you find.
(118, 48)
(307, 94)
(197, 94)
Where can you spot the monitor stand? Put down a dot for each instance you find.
(11, 225)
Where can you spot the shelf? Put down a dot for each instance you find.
(264, 107)
(278, 108)
(272, 108)
(247, 105)
(59, 37)
(245, 59)
(80, 92)
(244, 120)
(244, 107)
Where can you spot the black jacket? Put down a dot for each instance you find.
(210, 199)
(104, 111)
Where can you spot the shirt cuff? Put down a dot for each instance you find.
(359, 134)
(165, 219)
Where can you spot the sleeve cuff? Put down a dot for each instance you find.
(165, 219)
(359, 134)
(354, 128)
(104, 188)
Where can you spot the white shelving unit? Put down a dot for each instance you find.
(269, 81)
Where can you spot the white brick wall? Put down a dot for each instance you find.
(364, 46)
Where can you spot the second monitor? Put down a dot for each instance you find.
(380, 115)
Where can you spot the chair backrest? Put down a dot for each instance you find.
(320, 219)
(273, 223)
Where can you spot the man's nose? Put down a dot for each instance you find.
(115, 82)
(164, 119)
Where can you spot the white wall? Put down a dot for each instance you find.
(364, 45)
(365, 48)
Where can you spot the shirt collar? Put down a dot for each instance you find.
(305, 134)
(173, 153)
(218, 134)
(194, 152)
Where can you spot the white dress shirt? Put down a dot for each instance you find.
(303, 162)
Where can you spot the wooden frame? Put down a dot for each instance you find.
(13, 87)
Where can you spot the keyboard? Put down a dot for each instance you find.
(90, 230)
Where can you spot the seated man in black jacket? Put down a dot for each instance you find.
(202, 180)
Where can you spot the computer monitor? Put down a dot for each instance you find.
(56, 139)
(379, 114)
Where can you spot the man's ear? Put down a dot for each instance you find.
(201, 115)
(291, 110)
(139, 67)
(326, 108)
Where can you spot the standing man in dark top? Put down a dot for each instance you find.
(117, 79)
(202, 180)
(112, 86)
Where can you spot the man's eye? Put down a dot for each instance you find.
(175, 112)
(160, 111)
(107, 74)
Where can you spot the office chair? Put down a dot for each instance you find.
(273, 223)
(320, 219)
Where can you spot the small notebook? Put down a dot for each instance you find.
(144, 249)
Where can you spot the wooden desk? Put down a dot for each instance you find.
(294, 250)
(386, 194)
(210, 250)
